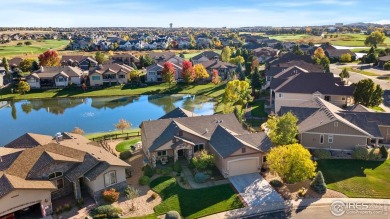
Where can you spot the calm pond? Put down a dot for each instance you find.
(49, 116)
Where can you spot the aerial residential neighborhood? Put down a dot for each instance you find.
(208, 110)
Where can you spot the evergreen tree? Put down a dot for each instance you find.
(6, 67)
(256, 80)
(318, 184)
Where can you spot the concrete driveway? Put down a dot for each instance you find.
(255, 190)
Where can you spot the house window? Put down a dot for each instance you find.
(198, 147)
(60, 79)
(330, 139)
(95, 78)
(243, 150)
(264, 159)
(321, 139)
(327, 98)
(180, 133)
(161, 153)
(55, 175)
(109, 178)
(336, 124)
(280, 95)
(121, 76)
(59, 183)
(342, 98)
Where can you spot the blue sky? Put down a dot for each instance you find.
(195, 13)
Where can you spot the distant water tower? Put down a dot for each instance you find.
(170, 25)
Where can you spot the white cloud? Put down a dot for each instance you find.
(381, 22)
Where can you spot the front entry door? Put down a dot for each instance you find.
(180, 153)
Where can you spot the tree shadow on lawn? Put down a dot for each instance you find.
(190, 202)
(339, 170)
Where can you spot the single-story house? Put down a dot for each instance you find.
(185, 135)
(324, 125)
(335, 54)
(33, 176)
(55, 76)
(109, 73)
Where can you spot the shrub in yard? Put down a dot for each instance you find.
(203, 160)
(172, 215)
(318, 184)
(322, 154)
(166, 171)
(67, 207)
(200, 177)
(125, 155)
(384, 152)
(106, 211)
(80, 202)
(158, 170)
(149, 171)
(360, 153)
(386, 66)
(374, 154)
(143, 180)
(276, 183)
(177, 167)
(111, 195)
(59, 210)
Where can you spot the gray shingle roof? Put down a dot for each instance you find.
(178, 113)
(324, 83)
(5, 186)
(29, 140)
(97, 170)
(79, 170)
(208, 54)
(224, 142)
(260, 140)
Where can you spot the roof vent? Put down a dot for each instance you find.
(207, 130)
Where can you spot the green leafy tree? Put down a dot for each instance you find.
(283, 130)
(375, 38)
(26, 65)
(146, 61)
(134, 75)
(256, 80)
(237, 92)
(318, 184)
(168, 73)
(367, 93)
(240, 72)
(386, 66)
(226, 53)
(203, 161)
(297, 50)
(344, 74)
(325, 64)
(100, 57)
(344, 58)
(122, 125)
(237, 60)
(6, 67)
(291, 162)
(23, 87)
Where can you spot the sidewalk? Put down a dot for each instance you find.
(294, 204)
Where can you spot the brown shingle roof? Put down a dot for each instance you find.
(29, 140)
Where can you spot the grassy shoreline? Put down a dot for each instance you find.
(210, 90)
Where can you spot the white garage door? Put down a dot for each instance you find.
(243, 166)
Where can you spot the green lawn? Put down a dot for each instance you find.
(125, 145)
(11, 49)
(353, 40)
(193, 203)
(368, 73)
(209, 89)
(377, 108)
(357, 178)
(258, 109)
(117, 132)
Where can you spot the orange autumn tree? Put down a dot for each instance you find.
(215, 79)
(168, 73)
(188, 72)
(49, 58)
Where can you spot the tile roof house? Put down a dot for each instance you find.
(236, 150)
(303, 87)
(109, 73)
(324, 125)
(55, 76)
(38, 174)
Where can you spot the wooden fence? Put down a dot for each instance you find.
(117, 136)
